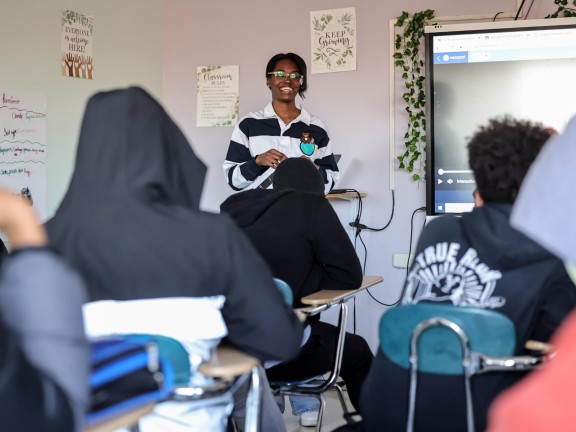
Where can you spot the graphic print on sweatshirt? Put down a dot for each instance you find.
(438, 275)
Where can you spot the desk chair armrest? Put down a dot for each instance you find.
(483, 363)
(312, 310)
(541, 347)
(228, 363)
(332, 297)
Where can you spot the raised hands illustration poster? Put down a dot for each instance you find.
(217, 99)
(76, 46)
(333, 42)
(23, 147)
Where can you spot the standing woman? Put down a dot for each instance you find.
(283, 129)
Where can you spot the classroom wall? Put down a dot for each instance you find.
(354, 105)
(128, 50)
(159, 47)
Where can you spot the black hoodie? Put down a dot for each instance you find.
(300, 237)
(131, 223)
(475, 260)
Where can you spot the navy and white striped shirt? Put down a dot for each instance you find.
(260, 131)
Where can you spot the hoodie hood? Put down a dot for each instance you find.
(247, 207)
(487, 230)
(133, 200)
(136, 152)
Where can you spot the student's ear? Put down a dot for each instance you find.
(478, 200)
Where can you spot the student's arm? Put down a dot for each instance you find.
(30, 402)
(333, 249)
(240, 167)
(258, 320)
(41, 303)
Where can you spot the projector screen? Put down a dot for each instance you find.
(474, 72)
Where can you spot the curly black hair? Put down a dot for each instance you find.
(300, 63)
(500, 154)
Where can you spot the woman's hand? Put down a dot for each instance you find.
(271, 158)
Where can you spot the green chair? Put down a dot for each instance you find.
(285, 290)
(449, 340)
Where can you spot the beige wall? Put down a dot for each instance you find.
(128, 46)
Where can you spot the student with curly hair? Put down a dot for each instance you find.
(477, 260)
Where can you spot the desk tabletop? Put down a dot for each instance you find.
(228, 362)
(346, 195)
(332, 296)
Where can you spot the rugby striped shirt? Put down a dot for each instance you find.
(263, 130)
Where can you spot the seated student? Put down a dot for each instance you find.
(43, 353)
(525, 283)
(131, 223)
(298, 233)
(544, 211)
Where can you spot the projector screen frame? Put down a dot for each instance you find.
(472, 28)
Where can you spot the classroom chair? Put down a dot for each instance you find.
(164, 361)
(128, 378)
(318, 386)
(450, 340)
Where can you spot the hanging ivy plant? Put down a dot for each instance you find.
(409, 58)
(563, 10)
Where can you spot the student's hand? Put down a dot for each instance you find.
(20, 222)
(271, 158)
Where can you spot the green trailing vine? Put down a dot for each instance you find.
(409, 58)
(563, 10)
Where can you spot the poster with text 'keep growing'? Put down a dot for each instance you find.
(23, 147)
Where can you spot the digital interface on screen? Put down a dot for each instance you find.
(475, 72)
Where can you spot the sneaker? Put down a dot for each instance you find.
(309, 418)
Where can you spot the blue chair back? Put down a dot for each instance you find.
(173, 352)
(439, 349)
(285, 290)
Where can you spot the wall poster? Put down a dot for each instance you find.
(333, 43)
(217, 99)
(23, 147)
(76, 45)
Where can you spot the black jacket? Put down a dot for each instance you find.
(131, 223)
(300, 237)
(476, 260)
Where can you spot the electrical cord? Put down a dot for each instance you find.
(358, 237)
(359, 227)
(529, 9)
(519, 10)
(407, 266)
(411, 233)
